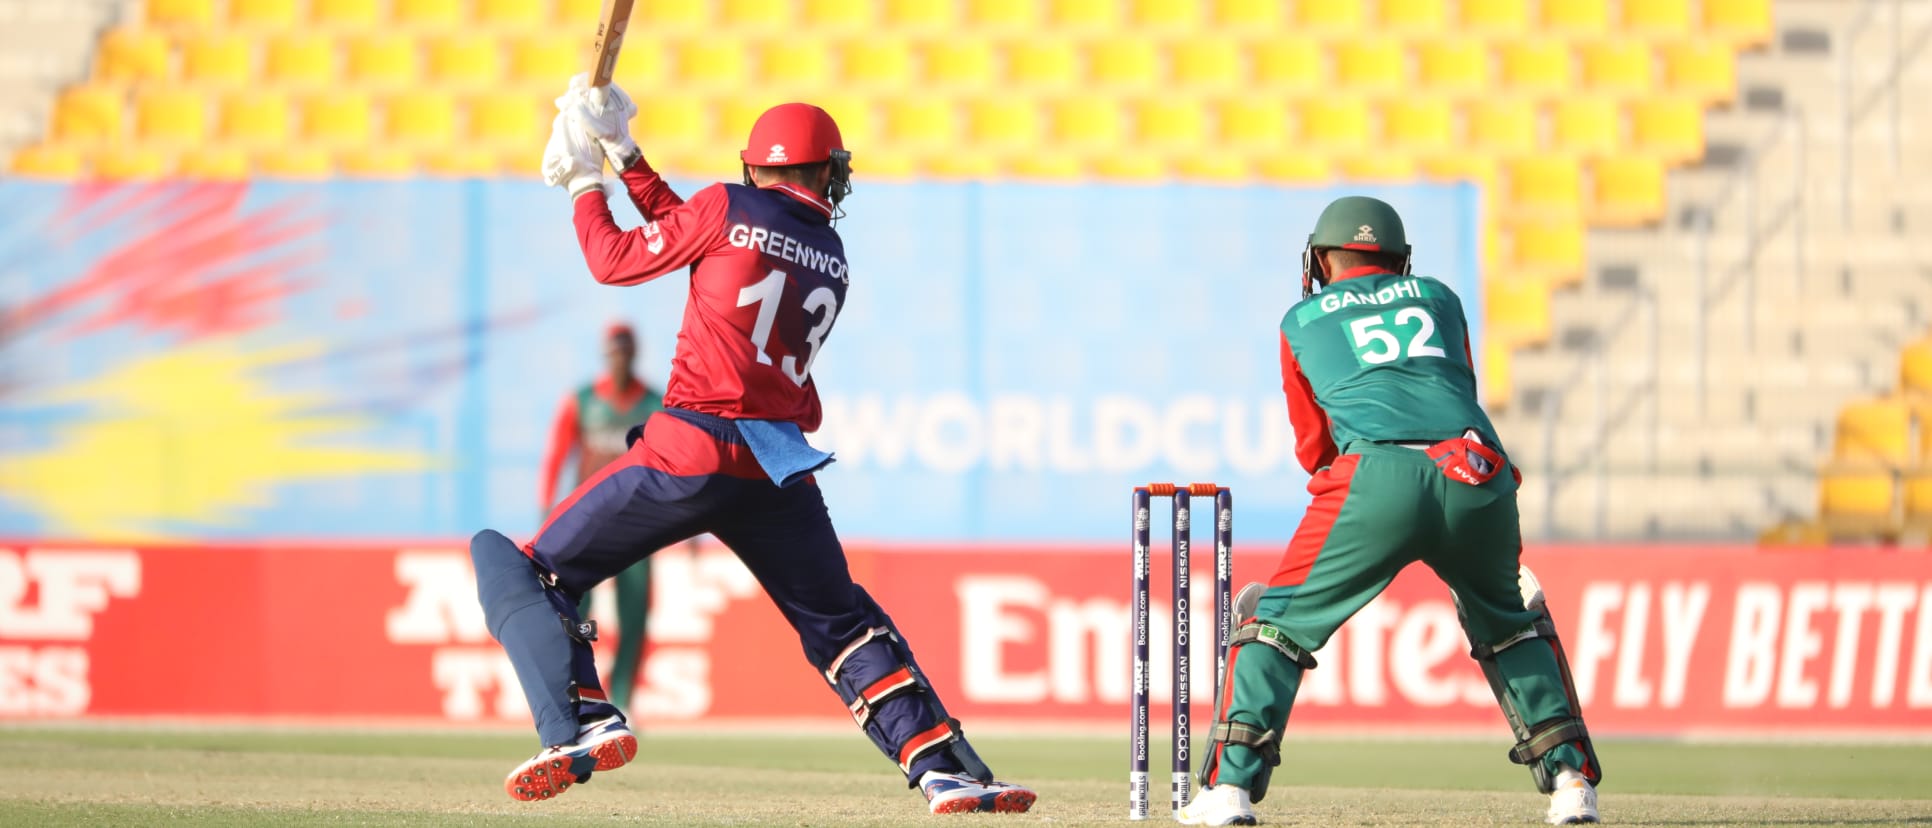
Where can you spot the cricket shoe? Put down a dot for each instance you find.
(957, 793)
(1219, 805)
(1574, 801)
(605, 744)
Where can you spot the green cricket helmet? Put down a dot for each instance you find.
(1352, 223)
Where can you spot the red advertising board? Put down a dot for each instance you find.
(1662, 640)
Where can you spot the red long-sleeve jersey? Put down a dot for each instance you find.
(768, 277)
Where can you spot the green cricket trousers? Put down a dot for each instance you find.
(1377, 509)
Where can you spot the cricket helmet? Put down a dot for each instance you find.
(799, 133)
(1352, 223)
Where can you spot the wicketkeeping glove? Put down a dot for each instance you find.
(605, 113)
(572, 159)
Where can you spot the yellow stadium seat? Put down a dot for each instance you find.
(132, 164)
(878, 62)
(49, 161)
(1701, 70)
(502, 119)
(1017, 15)
(1165, 16)
(1537, 67)
(255, 118)
(336, 118)
(885, 165)
(1619, 67)
(1795, 534)
(263, 14)
(1248, 15)
(170, 116)
(793, 63)
(1456, 67)
(960, 62)
(752, 15)
(1502, 126)
(1915, 373)
(1171, 123)
(1089, 15)
(1418, 123)
(953, 166)
(1918, 500)
(295, 162)
(712, 62)
(1287, 64)
(1371, 64)
(1216, 167)
(583, 12)
(856, 115)
(427, 13)
(1337, 123)
(1253, 123)
(1669, 18)
(1576, 17)
(1206, 63)
(546, 60)
(1494, 383)
(921, 122)
(1516, 309)
(1320, 15)
(732, 118)
(1451, 167)
(213, 164)
(1125, 63)
(1042, 64)
(134, 55)
(1857, 502)
(470, 162)
(511, 14)
(669, 16)
(468, 60)
(1379, 166)
(1086, 122)
(1295, 168)
(673, 121)
(377, 162)
(1494, 17)
(828, 15)
(921, 15)
(180, 12)
(1587, 127)
(1670, 129)
(1544, 185)
(1419, 16)
(87, 114)
(218, 59)
(1744, 23)
(383, 60)
(1627, 191)
(1550, 250)
(354, 14)
(421, 119)
(1127, 166)
(1004, 123)
(301, 60)
(1875, 431)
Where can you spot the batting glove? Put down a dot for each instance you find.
(572, 159)
(605, 113)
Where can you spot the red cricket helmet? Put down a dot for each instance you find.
(793, 133)
(800, 133)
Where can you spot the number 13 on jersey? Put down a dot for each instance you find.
(767, 294)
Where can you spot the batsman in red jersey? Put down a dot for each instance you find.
(727, 456)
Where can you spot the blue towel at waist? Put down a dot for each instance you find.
(780, 446)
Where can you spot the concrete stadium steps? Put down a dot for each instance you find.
(1683, 505)
(1679, 449)
(44, 46)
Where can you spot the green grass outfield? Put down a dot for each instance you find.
(149, 776)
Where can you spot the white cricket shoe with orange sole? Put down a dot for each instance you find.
(957, 793)
(605, 744)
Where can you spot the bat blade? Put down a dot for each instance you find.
(610, 38)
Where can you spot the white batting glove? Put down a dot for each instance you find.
(605, 113)
(572, 159)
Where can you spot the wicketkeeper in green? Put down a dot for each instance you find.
(1382, 393)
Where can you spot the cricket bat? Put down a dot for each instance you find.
(610, 38)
